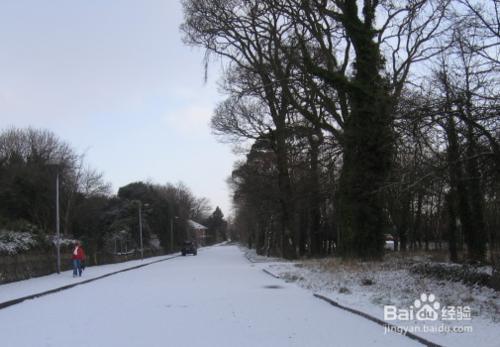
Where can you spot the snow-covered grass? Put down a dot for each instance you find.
(368, 286)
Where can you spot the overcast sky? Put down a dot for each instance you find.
(112, 78)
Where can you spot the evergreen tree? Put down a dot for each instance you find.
(217, 226)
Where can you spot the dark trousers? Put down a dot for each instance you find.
(77, 267)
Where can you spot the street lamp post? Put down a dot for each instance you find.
(172, 233)
(58, 226)
(140, 228)
(56, 166)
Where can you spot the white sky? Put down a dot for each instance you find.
(114, 80)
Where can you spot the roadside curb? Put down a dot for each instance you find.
(12, 302)
(367, 316)
(248, 258)
(270, 273)
(377, 320)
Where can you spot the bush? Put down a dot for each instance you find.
(344, 290)
(20, 236)
(367, 282)
(14, 242)
(453, 272)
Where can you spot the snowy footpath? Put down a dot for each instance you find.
(217, 298)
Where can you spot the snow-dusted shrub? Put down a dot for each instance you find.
(367, 282)
(63, 241)
(453, 272)
(290, 277)
(13, 242)
(344, 290)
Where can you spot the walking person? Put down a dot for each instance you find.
(78, 257)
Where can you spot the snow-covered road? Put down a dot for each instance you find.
(217, 299)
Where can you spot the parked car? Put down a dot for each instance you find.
(189, 247)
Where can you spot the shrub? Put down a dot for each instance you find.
(13, 242)
(453, 272)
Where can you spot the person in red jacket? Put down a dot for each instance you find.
(78, 257)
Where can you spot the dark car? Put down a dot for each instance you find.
(189, 247)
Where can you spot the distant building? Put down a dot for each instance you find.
(198, 232)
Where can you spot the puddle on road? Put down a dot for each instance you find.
(176, 306)
(273, 286)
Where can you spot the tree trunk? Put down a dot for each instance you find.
(315, 208)
(417, 224)
(368, 144)
(288, 234)
(477, 239)
(452, 226)
(455, 196)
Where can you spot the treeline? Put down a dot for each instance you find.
(361, 120)
(30, 161)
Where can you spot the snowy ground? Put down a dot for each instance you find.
(369, 286)
(217, 298)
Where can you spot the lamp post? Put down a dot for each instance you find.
(58, 226)
(56, 165)
(140, 228)
(172, 233)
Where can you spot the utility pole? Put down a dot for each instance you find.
(172, 234)
(140, 229)
(58, 226)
